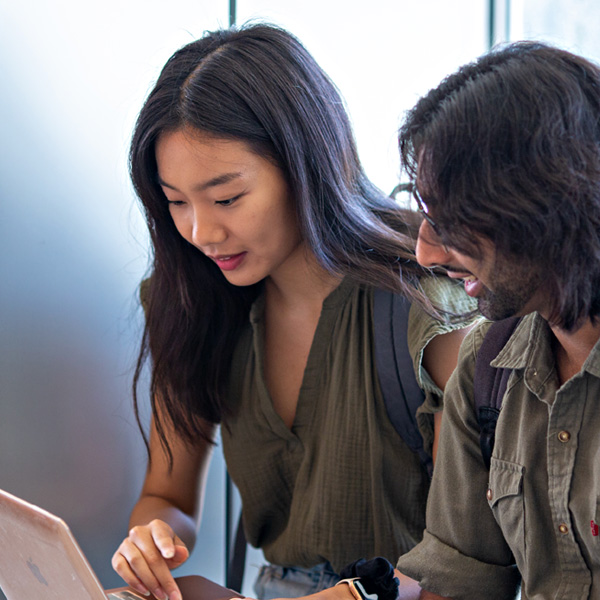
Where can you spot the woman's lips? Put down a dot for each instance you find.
(229, 262)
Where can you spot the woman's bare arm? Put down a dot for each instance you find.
(164, 521)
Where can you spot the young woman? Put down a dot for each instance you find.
(268, 243)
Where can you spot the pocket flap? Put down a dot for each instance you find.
(506, 479)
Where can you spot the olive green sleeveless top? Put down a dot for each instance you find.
(341, 484)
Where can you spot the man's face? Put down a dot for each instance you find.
(502, 289)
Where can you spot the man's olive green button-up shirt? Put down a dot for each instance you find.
(535, 513)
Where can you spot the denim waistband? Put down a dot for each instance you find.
(275, 581)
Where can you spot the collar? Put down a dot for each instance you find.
(332, 302)
(529, 349)
(592, 362)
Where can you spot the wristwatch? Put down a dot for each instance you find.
(357, 589)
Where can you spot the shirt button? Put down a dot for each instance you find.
(563, 528)
(489, 495)
(564, 436)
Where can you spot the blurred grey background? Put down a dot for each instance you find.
(72, 243)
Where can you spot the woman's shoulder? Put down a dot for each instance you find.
(457, 311)
(448, 296)
(144, 291)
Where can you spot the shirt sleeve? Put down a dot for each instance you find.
(463, 554)
(145, 293)
(422, 328)
(445, 294)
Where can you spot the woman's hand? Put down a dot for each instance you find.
(164, 520)
(146, 557)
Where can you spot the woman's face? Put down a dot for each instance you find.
(230, 203)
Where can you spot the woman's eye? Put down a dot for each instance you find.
(175, 202)
(229, 201)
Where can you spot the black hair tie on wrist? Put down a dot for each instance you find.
(376, 576)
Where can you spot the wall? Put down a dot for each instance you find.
(570, 24)
(73, 246)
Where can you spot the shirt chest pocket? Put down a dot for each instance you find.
(505, 498)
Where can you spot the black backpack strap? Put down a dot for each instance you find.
(401, 392)
(489, 385)
(237, 559)
(235, 547)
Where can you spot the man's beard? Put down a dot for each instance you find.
(512, 292)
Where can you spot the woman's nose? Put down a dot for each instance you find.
(206, 230)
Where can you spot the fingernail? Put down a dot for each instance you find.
(142, 590)
(160, 594)
(170, 553)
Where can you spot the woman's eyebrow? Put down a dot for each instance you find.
(215, 181)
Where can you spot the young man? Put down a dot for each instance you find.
(505, 160)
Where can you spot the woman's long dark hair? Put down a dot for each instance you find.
(508, 148)
(259, 85)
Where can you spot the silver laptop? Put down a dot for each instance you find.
(41, 560)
